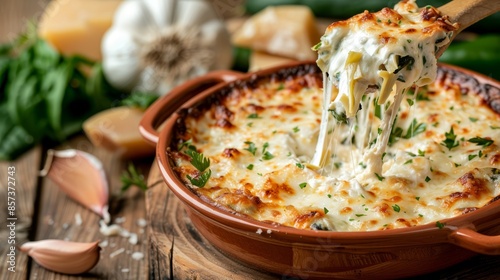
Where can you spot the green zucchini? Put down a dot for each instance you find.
(481, 55)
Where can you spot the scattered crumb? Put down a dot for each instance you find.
(142, 222)
(116, 253)
(125, 270)
(78, 219)
(137, 256)
(269, 231)
(103, 243)
(109, 230)
(65, 225)
(133, 239)
(120, 220)
(105, 214)
(259, 231)
(124, 232)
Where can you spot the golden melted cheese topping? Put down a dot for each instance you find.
(440, 162)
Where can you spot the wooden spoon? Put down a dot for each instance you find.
(466, 13)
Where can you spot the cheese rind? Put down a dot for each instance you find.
(76, 27)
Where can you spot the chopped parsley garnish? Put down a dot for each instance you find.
(421, 153)
(281, 86)
(329, 195)
(481, 141)
(250, 124)
(186, 144)
(201, 180)
(360, 215)
(379, 177)
(302, 185)
(339, 117)
(411, 154)
(408, 161)
(414, 129)
(427, 179)
(494, 127)
(325, 210)
(440, 225)
(338, 164)
(264, 147)
(471, 157)
(410, 101)
(267, 156)
(473, 119)
(396, 208)
(198, 160)
(316, 47)
(299, 165)
(250, 166)
(362, 165)
(253, 116)
(296, 129)
(251, 147)
(417, 198)
(450, 142)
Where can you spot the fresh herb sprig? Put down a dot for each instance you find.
(199, 161)
(450, 141)
(131, 177)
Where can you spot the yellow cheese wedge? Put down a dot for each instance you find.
(260, 60)
(117, 129)
(288, 31)
(77, 26)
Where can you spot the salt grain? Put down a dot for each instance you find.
(269, 231)
(116, 253)
(133, 239)
(259, 231)
(105, 214)
(103, 243)
(120, 220)
(137, 256)
(78, 219)
(142, 222)
(125, 270)
(109, 230)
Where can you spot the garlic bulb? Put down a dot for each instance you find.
(154, 45)
(80, 175)
(63, 256)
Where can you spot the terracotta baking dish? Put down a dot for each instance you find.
(314, 254)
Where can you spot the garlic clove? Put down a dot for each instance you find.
(80, 175)
(63, 256)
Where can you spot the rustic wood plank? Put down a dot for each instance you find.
(57, 221)
(26, 171)
(193, 256)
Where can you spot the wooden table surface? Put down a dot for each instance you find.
(42, 211)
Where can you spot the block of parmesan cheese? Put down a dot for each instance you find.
(288, 31)
(77, 26)
(260, 60)
(117, 130)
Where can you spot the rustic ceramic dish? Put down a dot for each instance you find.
(313, 254)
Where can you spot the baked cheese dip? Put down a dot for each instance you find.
(248, 147)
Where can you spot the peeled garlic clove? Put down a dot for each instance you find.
(80, 175)
(63, 256)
